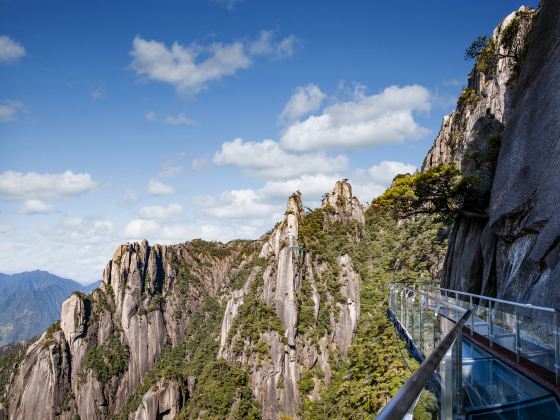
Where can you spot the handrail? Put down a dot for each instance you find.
(399, 405)
(508, 302)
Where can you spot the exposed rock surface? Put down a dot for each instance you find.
(290, 272)
(342, 205)
(163, 402)
(509, 248)
(92, 361)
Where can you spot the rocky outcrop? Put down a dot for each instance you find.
(144, 304)
(487, 98)
(288, 287)
(94, 363)
(508, 247)
(342, 206)
(164, 401)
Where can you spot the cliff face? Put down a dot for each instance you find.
(90, 363)
(108, 353)
(291, 290)
(506, 243)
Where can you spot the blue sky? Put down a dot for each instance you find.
(172, 120)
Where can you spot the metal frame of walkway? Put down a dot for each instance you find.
(522, 336)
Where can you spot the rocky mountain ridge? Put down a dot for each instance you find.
(95, 359)
(293, 324)
(30, 302)
(505, 244)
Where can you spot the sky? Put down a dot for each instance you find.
(172, 120)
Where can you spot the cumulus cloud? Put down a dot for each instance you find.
(312, 187)
(35, 207)
(234, 204)
(182, 67)
(141, 228)
(368, 184)
(191, 68)
(364, 121)
(154, 231)
(179, 119)
(384, 172)
(267, 45)
(9, 111)
(159, 188)
(306, 99)
(10, 50)
(269, 160)
(161, 212)
(80, 230)
(17, 185)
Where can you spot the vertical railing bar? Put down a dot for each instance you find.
(459, 372)
(490, 327)
(472, 314)
(517, 335)
(557, 346)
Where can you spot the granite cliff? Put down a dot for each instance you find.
(504, 134)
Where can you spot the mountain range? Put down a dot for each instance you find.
(30, 302)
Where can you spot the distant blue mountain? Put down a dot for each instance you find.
(31, 301)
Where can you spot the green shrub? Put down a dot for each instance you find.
(108, 360)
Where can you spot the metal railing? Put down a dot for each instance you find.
(530, 331)
(404, 401)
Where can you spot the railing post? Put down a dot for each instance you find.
(557, 346)
(421, 327)
(517, 335)
(472, 315)
(490, 322)
(459, 372)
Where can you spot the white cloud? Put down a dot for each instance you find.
(78, 230)
(199, 164)
(98, 93)
(150, 116)
(17, 185)
(141, 228)
(362, 122)
(159, 188)
(267, 45)
(138, 229)
(234, 204)
(161, 212)
(182, 67)
(191, 68)
(368, 184)
(179, 119)
(35, 207)
(268, 159)
(312, 187)
(9, 111)
(10, 50)
(306, 99)
(384, 172)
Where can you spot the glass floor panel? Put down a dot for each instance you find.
(495, 391)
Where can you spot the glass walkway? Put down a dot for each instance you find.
(460, 379)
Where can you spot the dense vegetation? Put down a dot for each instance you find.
(377, 364)
(438, 191)
(219, 384)
(108, 360)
